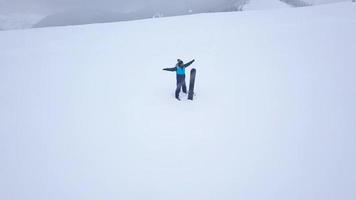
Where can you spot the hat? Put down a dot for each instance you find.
(180, 62)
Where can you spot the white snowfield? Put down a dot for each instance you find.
(86, 112)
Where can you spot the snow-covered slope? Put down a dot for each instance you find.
(86, 112)
(325, 1)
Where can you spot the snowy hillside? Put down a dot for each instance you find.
(325, 1)
(278, 4)
(88, 113)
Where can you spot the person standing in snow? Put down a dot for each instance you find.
(180, 71)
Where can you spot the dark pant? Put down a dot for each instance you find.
(180, 84)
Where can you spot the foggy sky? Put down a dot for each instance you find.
(45, 6)
(53, 6)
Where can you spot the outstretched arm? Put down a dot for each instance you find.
(173, 69)
(189, 63)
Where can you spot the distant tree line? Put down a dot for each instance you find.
(230, 5)
(239, 4)
(296, 3)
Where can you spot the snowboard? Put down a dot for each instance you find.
(191, 84)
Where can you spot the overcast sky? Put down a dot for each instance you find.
(50, 6)
(7, 6)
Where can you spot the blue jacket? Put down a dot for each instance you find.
(180, 70)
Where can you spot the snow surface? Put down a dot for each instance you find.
(325, 1)
(265, 5)
(88, 113)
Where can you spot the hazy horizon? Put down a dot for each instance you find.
(53, 6)
(19, 14)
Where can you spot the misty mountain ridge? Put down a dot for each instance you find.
(89, 16)
(143, 11)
